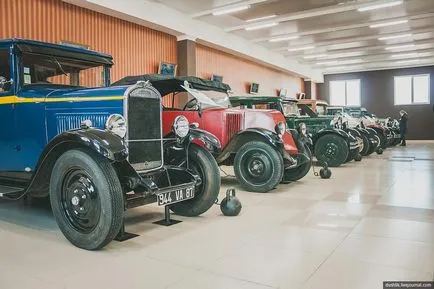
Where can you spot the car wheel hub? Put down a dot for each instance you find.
(80, 202)
(331, 150)
(257, 166)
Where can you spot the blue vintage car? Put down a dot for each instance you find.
(94, 150)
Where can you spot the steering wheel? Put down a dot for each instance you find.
(192, 102)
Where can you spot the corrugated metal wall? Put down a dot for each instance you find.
(240, 73)
(136, 49)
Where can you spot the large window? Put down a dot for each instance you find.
(345, 92)
(413, 89)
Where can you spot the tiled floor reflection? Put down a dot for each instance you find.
(372, 221)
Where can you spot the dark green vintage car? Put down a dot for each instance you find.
(330, 145)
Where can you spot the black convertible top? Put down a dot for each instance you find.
(167, 84)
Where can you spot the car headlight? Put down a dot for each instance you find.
(280, 128)
(303, 129)
(181, 126)
(117, 124)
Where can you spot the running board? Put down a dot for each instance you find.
(10, 192)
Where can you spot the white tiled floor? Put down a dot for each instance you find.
(372, 221)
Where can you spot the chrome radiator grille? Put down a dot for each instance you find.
(143, 111)
(233, 124)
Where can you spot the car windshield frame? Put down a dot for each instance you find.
(58, 68)
(205, 100)
(292, 104)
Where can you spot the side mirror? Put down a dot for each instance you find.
(4, 83)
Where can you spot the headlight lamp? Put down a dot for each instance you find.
(117, 124)
(181, 126)
(280, 128)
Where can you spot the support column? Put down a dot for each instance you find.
(186, 52)
(310, 89)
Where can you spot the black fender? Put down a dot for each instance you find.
(379, 130)
(364, 131)
(355, 132)
(251, 134)
(176, 150)
(211, 142)
(325, 131)
(102, 142)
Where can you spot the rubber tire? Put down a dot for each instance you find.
(366, 145)
(298, 173)
(383, 140)
(342, 155)
(276, 159)
(373, 148)
(106, 181)
(210, 174)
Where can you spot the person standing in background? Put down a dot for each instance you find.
(403, 126)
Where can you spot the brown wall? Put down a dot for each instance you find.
(239, 73)
(377, 95)
(136, 49)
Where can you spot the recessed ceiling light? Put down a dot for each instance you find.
(283, 38)
(380, 6)
(262, 18)
(314, 56)
(261, 26)
(395, 36)
(404, 55)
(301, 48)
(388, 24)
(230, 10)
(399, 47)
(407, 61)
(327, 62)
(351, 61)
(344, 67)
(335, 68)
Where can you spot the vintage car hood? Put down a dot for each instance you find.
(63, 91)
(310, 120)
(263, 118)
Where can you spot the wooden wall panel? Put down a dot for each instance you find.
(136, 49)
(240, 73)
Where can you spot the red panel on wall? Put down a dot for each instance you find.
(136, 49)
(240, 73)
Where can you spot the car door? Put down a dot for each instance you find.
(30, 123)
(8, 145)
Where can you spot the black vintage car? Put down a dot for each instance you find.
(94, 150)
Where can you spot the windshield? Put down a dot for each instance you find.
(334, 111)
(321, 109)
(46, 69)
(209, 98)
(290, 109)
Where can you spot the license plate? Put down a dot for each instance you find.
(176, 196)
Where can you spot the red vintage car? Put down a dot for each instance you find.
(256, 142)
